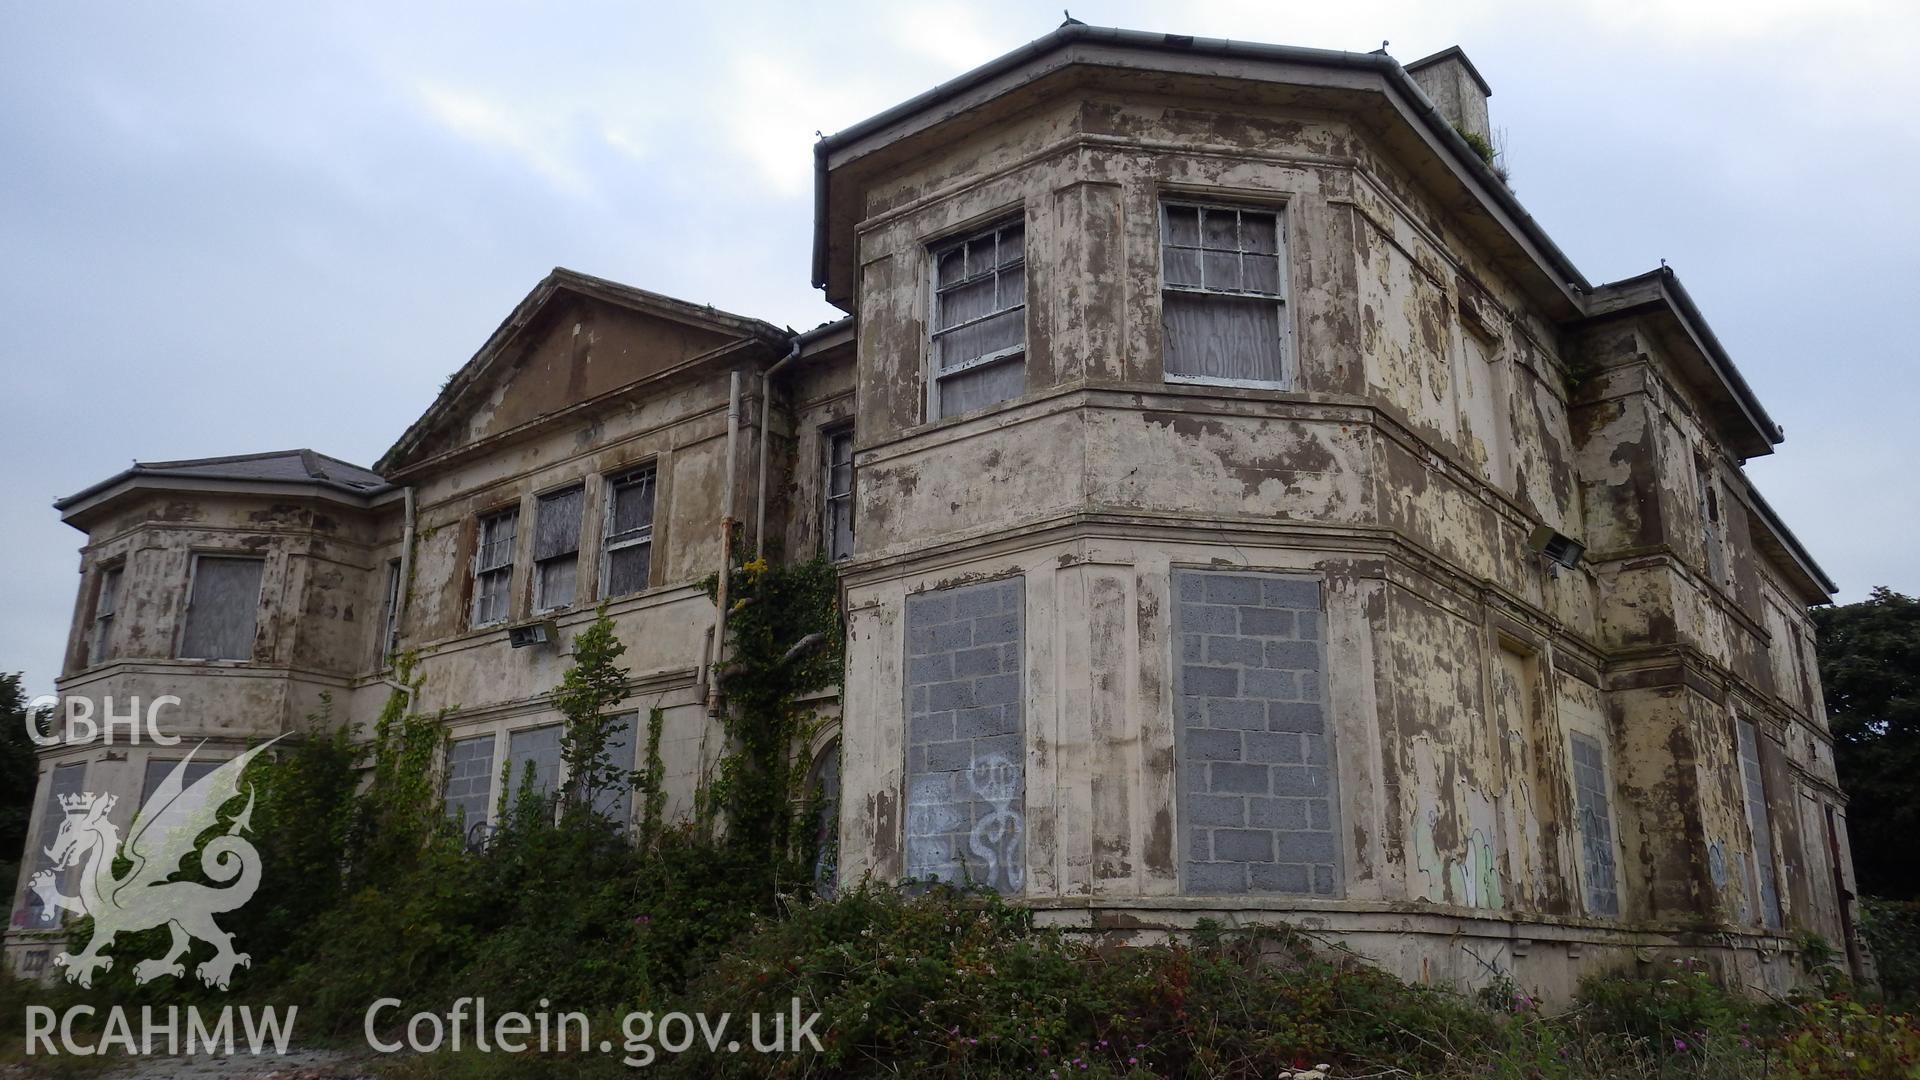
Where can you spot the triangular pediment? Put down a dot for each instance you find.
(574, 339)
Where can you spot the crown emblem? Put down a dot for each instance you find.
(73, 804)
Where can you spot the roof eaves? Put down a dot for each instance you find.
(1568, 276)
(1660, 289)
(1791, 543)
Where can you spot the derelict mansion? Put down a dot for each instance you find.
(1241, 506)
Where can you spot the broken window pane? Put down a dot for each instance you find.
(222, 610)
(979, 315)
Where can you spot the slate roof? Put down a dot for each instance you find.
(275, 467)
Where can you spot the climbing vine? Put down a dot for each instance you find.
(652, 782)
(785, 640)
(401, 813)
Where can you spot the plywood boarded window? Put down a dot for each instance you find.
(626, 561)
(222, 609)
(1593, 803)
(1759, 819)
(556, 548)
(493, 567)
(838, 518)
(99, 647)
(979, 320)
(1224, 298)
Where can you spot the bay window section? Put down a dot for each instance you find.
(979, 321)
(1224, 297)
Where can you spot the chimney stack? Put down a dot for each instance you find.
(1455, 87)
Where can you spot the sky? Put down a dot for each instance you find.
(233, 228)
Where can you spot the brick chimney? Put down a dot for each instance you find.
(1455, 87)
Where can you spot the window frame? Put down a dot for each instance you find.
(540, 605)
(610, 487)
(479, 575)
(936, 374)
(829, 438)
(1757, 808)
(1585, 819)
(1281, 297)
(185, 628)
(390, 625)
(107, 589)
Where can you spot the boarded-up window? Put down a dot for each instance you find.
(1593, 803)
(1761, 822)
(627, 554)
(980, 320)
(104, 606)
(469, 779)
(556, 549)
(222, 611)
(1224, 304)
(493, 567)
(616, 801)
(823, 791)
(390, 637)
(157, 770)
(839, 512)
(66, 781)
(535, 750)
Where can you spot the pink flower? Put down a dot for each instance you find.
(1679, 1044)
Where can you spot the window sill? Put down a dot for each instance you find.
(1243, 384)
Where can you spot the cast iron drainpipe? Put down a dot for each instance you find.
(766, 401)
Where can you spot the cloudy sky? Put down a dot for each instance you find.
(228, 228)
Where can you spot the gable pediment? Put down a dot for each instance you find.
(573, 340)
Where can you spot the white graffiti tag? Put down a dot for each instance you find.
(996, 837)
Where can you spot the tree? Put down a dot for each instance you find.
(1870, 666)
(586, 696)
(19, 767)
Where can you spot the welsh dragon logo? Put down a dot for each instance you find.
(164, 833)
